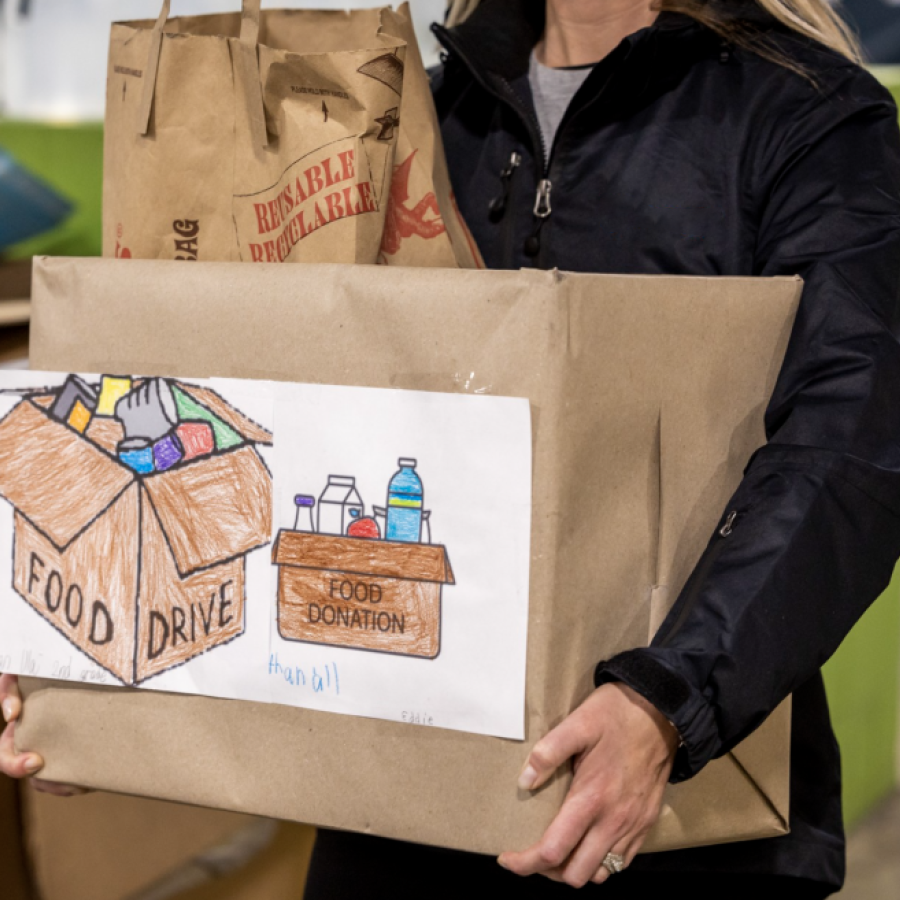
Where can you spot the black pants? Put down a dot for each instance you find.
(360, 867)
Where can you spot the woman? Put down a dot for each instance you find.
(712, 140)
(709, 139)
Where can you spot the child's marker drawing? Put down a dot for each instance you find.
(134, 511)
(136, 503)
(342, 585)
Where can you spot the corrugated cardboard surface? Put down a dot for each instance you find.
(105, 847)
(647, 397)
(277, 873)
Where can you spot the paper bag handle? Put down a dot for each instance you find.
(247, 70)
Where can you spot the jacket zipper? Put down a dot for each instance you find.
(533, 245)
(541, 212)
(541, 209)
(542, 194)
(728, 527)
(508, 236)
(497, 206)
(530, 120)
(698, 578)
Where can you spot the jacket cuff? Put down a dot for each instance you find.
(683, 705)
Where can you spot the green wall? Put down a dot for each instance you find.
(863, 678)
(863, 683)
(70, 159)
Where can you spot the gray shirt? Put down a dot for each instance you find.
(552, 91)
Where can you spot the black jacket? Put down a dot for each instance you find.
(682, 155)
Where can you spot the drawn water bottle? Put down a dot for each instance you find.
(404, 504)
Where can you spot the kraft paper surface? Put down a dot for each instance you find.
(107, 847)
(318, 144)
(647, 398)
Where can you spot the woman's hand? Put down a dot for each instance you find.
(23, 765)
(623, 749)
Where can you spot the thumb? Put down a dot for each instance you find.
(10, 701)
(551, 751)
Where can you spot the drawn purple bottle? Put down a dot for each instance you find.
(305, 501)
(404, 504)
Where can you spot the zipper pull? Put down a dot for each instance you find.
(542, 199)
(497, 206)
(728, 527)
(515, 160)
(541, 212)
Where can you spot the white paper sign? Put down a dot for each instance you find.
(354, 550)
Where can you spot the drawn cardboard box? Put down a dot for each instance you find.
(142, 573)
(354, 592)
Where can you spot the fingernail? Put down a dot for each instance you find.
(9, 707)
(501, 861)
(32, 764)
(528, 778)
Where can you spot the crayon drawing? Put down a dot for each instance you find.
(340, 583)
(136, 503)
(144, 542)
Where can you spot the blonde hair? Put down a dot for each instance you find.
(815, 19)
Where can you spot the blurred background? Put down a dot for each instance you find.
(102, 847)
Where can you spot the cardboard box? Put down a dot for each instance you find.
(647, 398)
(173, 543)
(15, 311)
(395, 587)
(105, 847)
(15, 878)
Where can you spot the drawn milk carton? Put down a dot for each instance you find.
(339, 505)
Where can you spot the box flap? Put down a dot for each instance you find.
(215, 509)
(58, 480)
(362, 556)
(246, 428)
(758, 758)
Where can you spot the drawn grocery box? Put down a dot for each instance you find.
(368, 594)
(141, 572)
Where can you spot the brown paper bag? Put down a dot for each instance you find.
(237, 138)
(424, 226)
(270, 137)
(647, 395)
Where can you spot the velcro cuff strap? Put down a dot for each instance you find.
(684, 706)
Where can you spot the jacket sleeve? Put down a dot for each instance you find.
(817, 525)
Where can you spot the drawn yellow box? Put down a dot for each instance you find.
(112, 389)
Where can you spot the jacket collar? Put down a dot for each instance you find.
(499, 36)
